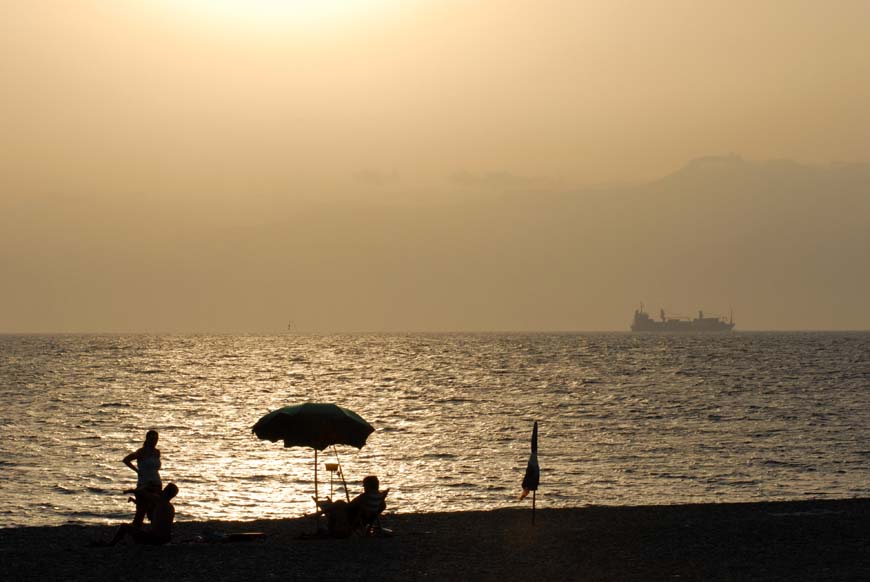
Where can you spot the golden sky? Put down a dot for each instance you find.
(228, 113)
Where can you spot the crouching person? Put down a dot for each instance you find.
(163, 514)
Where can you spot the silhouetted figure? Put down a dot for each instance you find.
(338, 517)
(162, 516)
(147, 469)
(360, 514)
(365, 508)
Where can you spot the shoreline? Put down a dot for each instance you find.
(781, 540)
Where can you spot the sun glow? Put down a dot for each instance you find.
(304, 15)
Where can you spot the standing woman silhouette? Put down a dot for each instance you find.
(147, 468)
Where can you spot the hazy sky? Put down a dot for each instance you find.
(127, 126)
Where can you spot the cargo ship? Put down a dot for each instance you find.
(643, 322)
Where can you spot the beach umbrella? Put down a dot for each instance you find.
(314, 424)
(533, 472)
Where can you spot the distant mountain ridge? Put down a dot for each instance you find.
(731, 170)
(785, 244)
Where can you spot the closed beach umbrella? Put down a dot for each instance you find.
(314, 424)
(532, 478)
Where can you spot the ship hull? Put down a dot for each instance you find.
(682, 326)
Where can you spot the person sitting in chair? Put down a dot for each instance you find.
(367, 506)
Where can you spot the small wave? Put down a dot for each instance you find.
(439, 456)
(66, 490)
(776, 463)
(675, 476)
(392, 429)
(115, 405)
(259, 478)
(741, 482)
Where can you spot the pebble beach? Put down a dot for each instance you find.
(800, 540)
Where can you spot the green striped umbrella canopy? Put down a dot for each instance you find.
(314, 424)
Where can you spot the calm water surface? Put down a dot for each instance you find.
(624, 419)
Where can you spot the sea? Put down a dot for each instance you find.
(624, 419)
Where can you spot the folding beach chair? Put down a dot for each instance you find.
(371, 505)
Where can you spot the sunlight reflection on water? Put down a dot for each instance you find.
(624, 419)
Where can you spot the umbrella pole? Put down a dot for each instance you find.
(533, 506)
(316, 507)
(341, 473)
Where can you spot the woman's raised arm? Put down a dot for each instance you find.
(128, 460)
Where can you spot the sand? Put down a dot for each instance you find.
(805, 540)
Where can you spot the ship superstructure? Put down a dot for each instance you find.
(643, 322)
